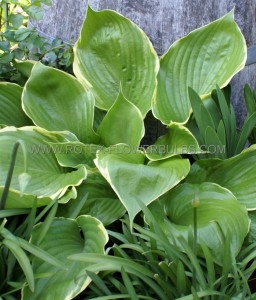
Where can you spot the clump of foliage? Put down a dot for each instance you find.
(214, 123)
(82, 138)
(146, 264)
(20, 42)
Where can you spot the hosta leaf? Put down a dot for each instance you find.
(24, 179)
(64, 239)
(236, 174)
(64, 103)
(123, 123)
(178, 140)
(134, 180)
(218, 212)
(48, 179)
(113, 50)
(11, 113)
(101, 203)
(72, 154)
(210, 55)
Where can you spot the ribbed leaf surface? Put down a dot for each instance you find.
(56, 100)
(11, 113)
(210, 55)
(135, 181)
(218, 212)
(111, 51)
(48, 178)
(236, 174)
(62, 240)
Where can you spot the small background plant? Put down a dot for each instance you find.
(20, 42)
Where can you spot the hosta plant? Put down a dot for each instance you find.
(82, 135)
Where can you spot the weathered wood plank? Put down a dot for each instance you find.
(251, 57)
(63, 20)
(164, 21)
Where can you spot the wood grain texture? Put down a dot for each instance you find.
(164, 21)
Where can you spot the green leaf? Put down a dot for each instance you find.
(21, 34)
(24, 179)
(101, 203)
(50, 57)
(123, 123)
(181, 279)
(16, 20)
(46, 2)
(128, 284)
(200, 112)
(4, 213)
(73, 154)
(178, 140)
(23, 261)
(201, 295)
(10, 36)
(64, 103)
(29, 247)
(225, 112)
(5, 45)
(48, 179)
(11, 112)
(18, 53)
(113, 263)
(134, 180)
(251, 238)
(236, 174)
(99, 283)
(213, 109)
(98, 117)
(111, 51)
(25, 67)
(249, 99)
(214, 143)
(65, 234)
(249, 124)
(209, 264)
(218, 208)
(34, 12)
(6, 58)
(210, 55)
(221, 133)
(43, 255)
